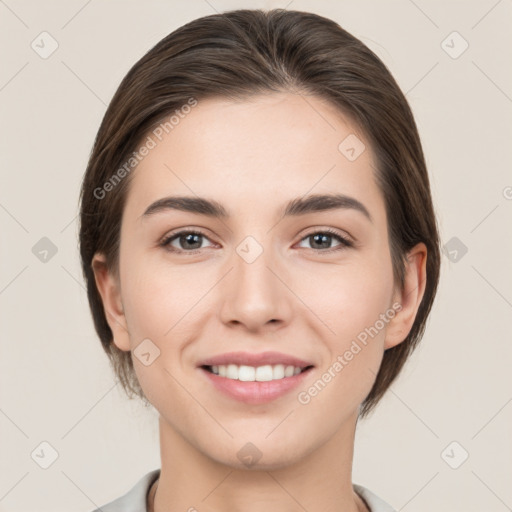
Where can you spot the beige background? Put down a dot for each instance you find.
(56, 385)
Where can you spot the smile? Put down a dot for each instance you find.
(255, 374)
(252, 391)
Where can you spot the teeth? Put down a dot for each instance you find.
(259, 374)
(289, 371)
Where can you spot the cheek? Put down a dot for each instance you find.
(354, 342)
(354, 297)
(355, 309)
(158, 296)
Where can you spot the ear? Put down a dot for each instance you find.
(409, 297)
(109, 288)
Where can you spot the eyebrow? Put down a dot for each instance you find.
(295, 207)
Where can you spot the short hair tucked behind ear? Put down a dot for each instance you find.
(235, 55)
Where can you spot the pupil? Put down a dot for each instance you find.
(189, 239)
(318, 238)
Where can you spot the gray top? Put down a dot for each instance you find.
(135, 499)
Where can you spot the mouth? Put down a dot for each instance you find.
(265, 373)
(254, 378)
(254, 385)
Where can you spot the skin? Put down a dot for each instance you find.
(253, 156)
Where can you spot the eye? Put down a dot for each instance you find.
(188, 241)
(191, 241)
(321, 240)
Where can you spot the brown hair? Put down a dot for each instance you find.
(234, 55)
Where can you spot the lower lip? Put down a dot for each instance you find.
(255, 393)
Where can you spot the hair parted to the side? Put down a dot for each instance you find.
(235, 55)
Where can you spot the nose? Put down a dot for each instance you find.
(254, 294)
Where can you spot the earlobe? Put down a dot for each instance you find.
(409, 297)
(109, 290)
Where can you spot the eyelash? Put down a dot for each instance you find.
(344, 242)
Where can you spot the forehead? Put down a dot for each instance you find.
(263, 149)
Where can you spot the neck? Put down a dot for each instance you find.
(190, 480)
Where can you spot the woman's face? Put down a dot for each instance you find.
(255, 281)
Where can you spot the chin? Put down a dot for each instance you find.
(262, 455)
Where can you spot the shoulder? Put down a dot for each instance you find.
(135, 499)
(374, 503)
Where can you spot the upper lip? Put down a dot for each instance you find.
(255, 359)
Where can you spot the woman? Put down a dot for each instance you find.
(261, 254)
